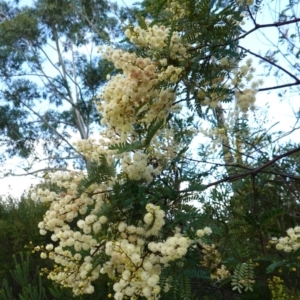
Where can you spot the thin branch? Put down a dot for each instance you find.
(50, 82)
(90, 22)
(278, 86)
(297, 179)
(61, 158)
(271, 63)
(37, 171)
(253, 171)
(259, 26)
(63, 75)
(216, 163)
(51, 127)
(251, 15)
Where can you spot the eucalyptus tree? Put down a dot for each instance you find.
(50, 77)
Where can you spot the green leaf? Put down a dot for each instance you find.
(97, 173)
(251, 219)
(270, 215)
(274, 266)
(6, 291)
(154, 126)
(126, 147)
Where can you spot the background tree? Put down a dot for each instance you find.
(50, 77)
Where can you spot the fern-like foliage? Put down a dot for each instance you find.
(154, 126)
(181, 281)
(97, 173)
(126, 147)
(243, 277)
(152, 129)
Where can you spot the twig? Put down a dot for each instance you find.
(259, 26)
(271, 63)
(253, 171)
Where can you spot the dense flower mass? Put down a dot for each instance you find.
(137, 96)
(135, 253)
(288, 243)
(133, 263)
(92, 234)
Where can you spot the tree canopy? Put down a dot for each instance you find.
(189, 192)
(50, 77)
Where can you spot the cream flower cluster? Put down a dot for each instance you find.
(72, 270)
(134, 96)
(241, 83)
(177, 9)
(202, 232)
(245, 99)
(155, 39)
(212, 260)
(245, 94)
(135, 259)
(245, 90)
(137, 166)
(136, 266)
(92, 149)
(216, 134)
(289, 243)
(137, 97)
(220, 273)
(139, 266)
(211, 256)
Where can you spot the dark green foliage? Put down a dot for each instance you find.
(26, 283)
(152, 129)
(18, 227)
(252, 202)
(19, 276)
(242, 272)
(20, 270)
(126, 147)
